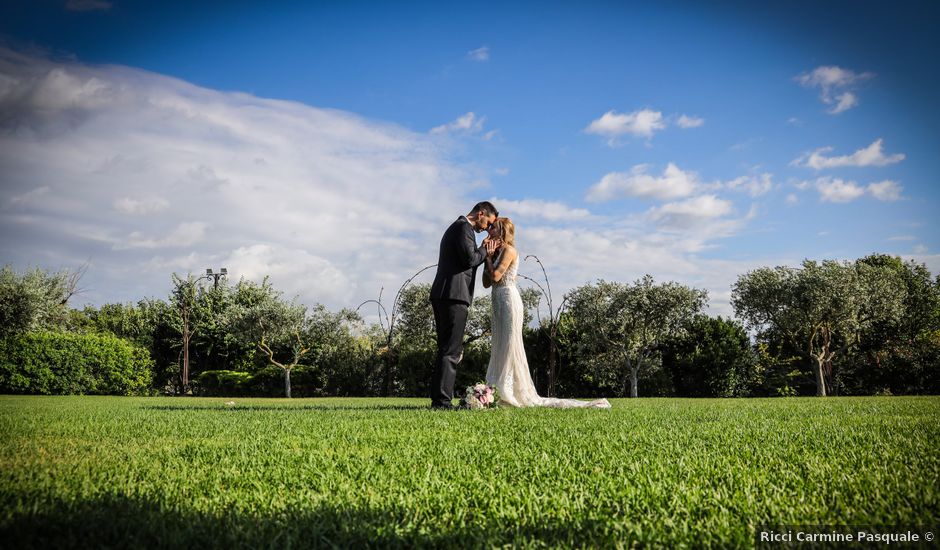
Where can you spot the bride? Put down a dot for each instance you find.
(508, 370)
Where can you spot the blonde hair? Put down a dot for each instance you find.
(507, 231)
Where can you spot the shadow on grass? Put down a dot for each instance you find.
(288, 408)
(123, 522)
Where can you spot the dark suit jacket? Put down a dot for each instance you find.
(457, 263)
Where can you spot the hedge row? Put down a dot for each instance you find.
(305, 382)
(54, 363)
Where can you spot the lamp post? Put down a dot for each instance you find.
(222, 273)
(185, 314)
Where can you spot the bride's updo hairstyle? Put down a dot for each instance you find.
(508, 231)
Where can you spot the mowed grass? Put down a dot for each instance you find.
(165, 472)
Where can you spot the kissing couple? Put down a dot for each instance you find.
(451, 295)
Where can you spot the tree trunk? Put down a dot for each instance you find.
(820, 378)
(287, 383)
(552, 349)
(389, 373)
(634, 371)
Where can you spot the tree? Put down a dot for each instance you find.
(134, 322)
(151, 323)
(713, 358)
(333, 347)
(624, 325)
(183, 299)
(901, 354)
(821, 308)
(388, 323)
(277, 327)
(37, 299)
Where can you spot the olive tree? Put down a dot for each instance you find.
(36, 298)
(624, 324)
(278, 328)
(821, 308)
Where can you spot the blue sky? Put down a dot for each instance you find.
(328, 145)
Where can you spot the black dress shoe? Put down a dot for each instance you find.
(436, 407)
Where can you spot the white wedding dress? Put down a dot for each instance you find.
(508, 370)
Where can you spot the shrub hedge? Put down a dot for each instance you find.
(53, 363)
(306, 381)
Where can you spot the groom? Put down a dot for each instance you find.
(452, 293)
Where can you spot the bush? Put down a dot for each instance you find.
(73, 363)
(227, 383)
(269, 382)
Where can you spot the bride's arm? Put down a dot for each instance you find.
(487, 279)
(496, 274)
(488, 266)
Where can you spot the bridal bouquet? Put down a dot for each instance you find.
(479, 396)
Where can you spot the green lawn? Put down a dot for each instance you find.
(149, 472)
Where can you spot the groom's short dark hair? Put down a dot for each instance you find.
(487, 207)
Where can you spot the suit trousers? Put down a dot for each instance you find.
(450, 319)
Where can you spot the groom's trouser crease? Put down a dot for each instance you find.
(450, 319)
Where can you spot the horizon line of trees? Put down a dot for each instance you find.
(870, 326)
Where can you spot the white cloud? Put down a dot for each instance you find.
(691, 211)
(690, 121)
(144, 205)
(829, 77)
(932, 261)
(578, 255)
(755, 186)
(479, 54)
(287, 264)
(673, 183)
(837, 190)
(744, 145)
(844, 102)
(29, 196)
(794, 121)
(868, 156)
(638, 123)
(468, 123)
(541, 210)
(201, 178)
(887, 190)
(792, 199)
(834, 84)
(87, 5)
(903, 238)
(183, 235)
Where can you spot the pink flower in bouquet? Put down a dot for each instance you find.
(479, 396)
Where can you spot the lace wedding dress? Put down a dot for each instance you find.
(508, 370)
